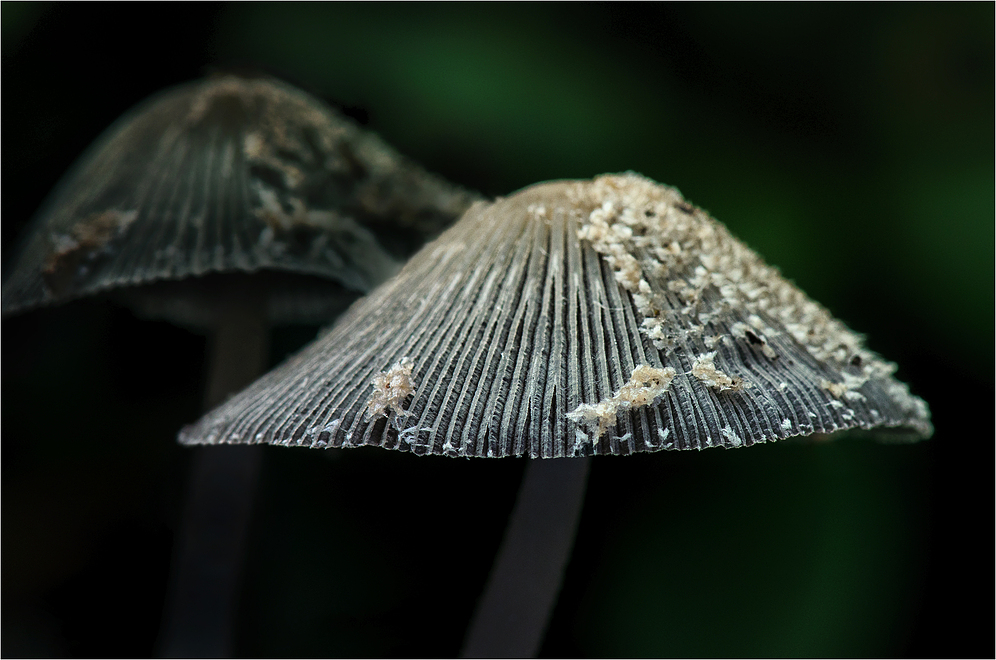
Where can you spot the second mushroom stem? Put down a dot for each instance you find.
(522, 589)
(208, 554)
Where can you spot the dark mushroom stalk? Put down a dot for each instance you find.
(227, 204)
(571, 319)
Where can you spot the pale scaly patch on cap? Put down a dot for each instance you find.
(645, 386)
(657, 243)
(704, 368)
(391, 388)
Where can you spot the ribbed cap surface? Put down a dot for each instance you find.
(229, 174)
(575, 318)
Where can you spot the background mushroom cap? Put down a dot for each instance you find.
(229, 174)
(575, 318)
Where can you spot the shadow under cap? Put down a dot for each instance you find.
(569, 319)
(229, 174)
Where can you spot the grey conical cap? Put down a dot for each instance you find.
(229, 174)
(572, 318)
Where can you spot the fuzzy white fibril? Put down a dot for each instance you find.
(391, 388)
(704, 368)
(645, 385)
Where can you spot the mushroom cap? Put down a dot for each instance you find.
(229, 174)
(575, 318)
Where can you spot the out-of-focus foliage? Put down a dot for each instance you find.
(851, 145)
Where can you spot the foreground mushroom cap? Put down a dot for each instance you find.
(229, 174)
(575, 318)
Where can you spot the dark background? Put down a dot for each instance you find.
(851, 145)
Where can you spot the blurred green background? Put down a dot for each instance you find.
(851, 145)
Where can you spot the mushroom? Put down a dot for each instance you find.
(228, 175)
(571, 319)
(227, 204)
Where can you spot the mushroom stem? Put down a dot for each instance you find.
(207, 559)
(522, 589)
(240, 345)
